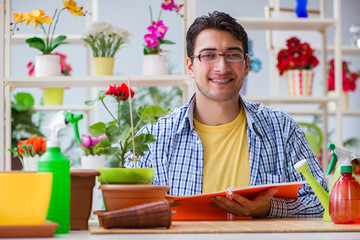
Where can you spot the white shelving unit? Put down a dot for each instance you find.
(320, 25)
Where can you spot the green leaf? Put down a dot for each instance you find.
(141, 143)
(125, 131)
(163, 41)
(24, 101)
(97, 129)
(57, 42)
(112, 150)
(152, 113)
(100, 97)
(113, 133)
(102, 146)
(37, 43)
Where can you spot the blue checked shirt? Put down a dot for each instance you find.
(275, 142)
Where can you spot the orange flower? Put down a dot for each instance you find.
(34, 145)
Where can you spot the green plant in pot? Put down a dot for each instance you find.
(122, 142)
(22, 125)
(313, 135)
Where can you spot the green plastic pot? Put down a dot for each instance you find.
(126, 175)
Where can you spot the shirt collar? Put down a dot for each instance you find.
(189, 116)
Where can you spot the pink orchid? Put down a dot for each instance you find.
(151, 40)
(158, 29)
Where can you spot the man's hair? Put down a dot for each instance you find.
(219, 21)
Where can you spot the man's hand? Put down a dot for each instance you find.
(240, 206)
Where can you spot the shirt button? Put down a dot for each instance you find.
(198, 172)
(198, 141)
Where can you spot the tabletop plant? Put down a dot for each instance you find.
(120, 142)
(47, 44)
(296, 55)
(158, 29)
(105, 39)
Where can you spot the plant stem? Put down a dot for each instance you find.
(102, 101)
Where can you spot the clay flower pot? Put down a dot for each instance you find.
(119, 196)
(82, 184)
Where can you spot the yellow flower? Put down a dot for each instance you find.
(70, 5)
(18, 17)
(38, 17)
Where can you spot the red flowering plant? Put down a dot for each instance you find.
(348, 78)
(119, 142)
(297, 55)
(157, 29)
(65, 67)
(29, 148)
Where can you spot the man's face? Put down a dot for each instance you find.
(220, 80)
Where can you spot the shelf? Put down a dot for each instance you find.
(350, 113)
(345, 50)
(291, 100)
(63, 107)
(96, 81)
(286, 24)
(20, 38)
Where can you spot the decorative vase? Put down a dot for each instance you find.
(30, 163)
(82, 184)
(299, 82)
(103, 66)
(48, 65)
(154, 64)
(93, 162)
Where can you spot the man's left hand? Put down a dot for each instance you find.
(258, 206)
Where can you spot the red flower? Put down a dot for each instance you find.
(348, 78)
(33, 145)
(297, 55)
(121, 93)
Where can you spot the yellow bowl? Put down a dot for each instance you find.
(24, 197)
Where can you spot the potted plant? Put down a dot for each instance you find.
(154, 62)
(123, 143)
(47, 64)
(22, 125)
(105, 40)
(349, 79)
(297, 61)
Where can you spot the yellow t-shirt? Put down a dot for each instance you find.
(226, 154)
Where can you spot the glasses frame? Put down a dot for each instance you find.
(219, 55)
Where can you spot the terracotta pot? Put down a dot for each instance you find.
(118, 196)
(82, 184)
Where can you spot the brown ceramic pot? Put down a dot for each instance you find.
(82, 184)
(118, 196)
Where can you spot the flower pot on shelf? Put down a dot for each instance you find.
(103, 66)
(154, 64)
(93, 162)
(299, 82)
(82, 184)
(30, 163)
(48, 65)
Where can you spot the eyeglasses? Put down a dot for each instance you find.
(214, 57)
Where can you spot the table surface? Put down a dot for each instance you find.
(249, 229)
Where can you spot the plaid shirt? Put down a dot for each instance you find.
(275, 142)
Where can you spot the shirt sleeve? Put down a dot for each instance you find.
(307, 204)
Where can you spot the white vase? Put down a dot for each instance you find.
(154, 64)
(47, 65)
(93, 162)
(30, 163)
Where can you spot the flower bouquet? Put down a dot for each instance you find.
(29, 152)
(297, 62)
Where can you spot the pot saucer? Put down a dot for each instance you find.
(26, 231)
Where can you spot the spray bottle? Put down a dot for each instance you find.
(54, 161)
(344, 204)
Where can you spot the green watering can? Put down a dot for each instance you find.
(322, 195)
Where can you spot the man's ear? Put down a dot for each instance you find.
(189, 68)
(247, 67)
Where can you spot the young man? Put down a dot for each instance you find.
(218, 140)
